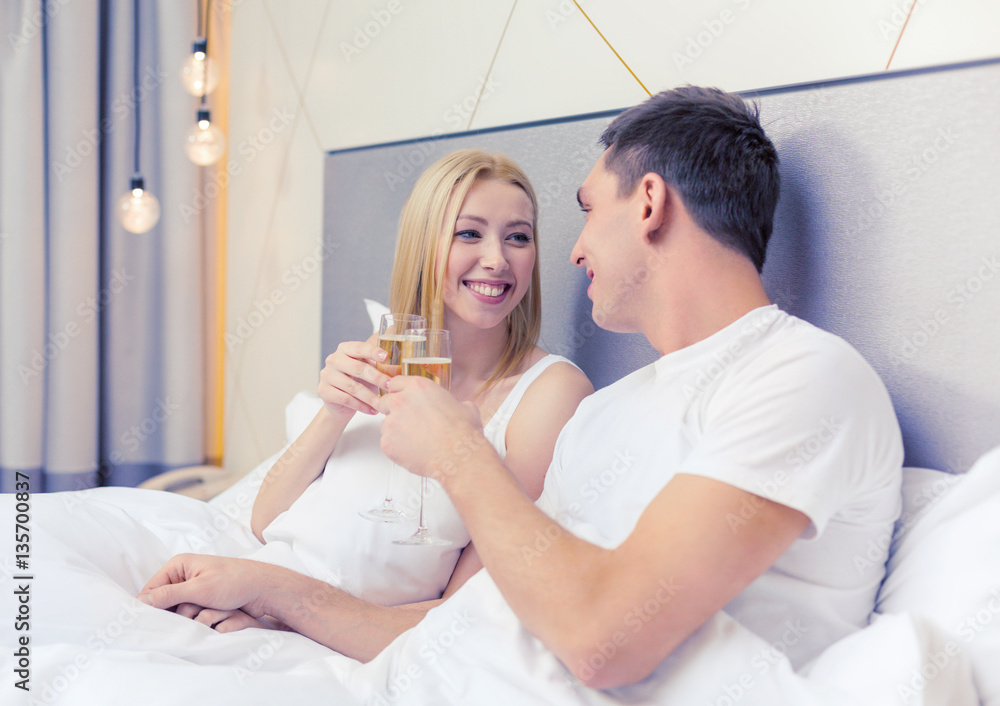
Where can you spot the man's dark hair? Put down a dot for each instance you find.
(708, 145)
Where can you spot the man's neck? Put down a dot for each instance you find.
(716, 287)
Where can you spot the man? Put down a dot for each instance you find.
(747, 469)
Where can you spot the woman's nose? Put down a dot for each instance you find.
(492, 256)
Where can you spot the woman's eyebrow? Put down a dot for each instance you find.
(480, 219)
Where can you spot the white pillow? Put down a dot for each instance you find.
(304, 406)
(237, 500)
(299, 412)
(922, 488)
(945, 566)
(375, 311)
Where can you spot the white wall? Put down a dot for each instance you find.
(314, 75)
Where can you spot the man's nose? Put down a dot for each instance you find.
(576, 255)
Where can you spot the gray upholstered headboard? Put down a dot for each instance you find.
(888, 233)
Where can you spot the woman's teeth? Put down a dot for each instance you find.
(486, 289)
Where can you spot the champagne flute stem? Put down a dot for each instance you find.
(388, 484)
(421, 527)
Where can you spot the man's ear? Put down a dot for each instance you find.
(657, 201)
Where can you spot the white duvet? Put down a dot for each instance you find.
(91, 642)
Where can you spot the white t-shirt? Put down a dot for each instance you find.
(322, 534)
(774, 406)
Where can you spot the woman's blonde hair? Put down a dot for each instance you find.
(426, 227)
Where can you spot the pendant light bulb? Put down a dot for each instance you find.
(199, 74)
(138, 209)
(205, 144)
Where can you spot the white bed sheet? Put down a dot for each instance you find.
(92, 643)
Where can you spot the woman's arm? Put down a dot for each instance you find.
(547, 405)
(330, 616)
(301, 463)
(347, 385)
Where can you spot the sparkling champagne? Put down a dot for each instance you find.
(437, 369)
(398, 346)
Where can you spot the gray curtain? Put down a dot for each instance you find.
(101, 331)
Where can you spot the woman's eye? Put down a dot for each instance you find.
(520, 238)
(467, 234)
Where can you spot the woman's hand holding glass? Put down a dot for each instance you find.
(351, 381)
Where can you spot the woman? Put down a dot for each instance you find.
(470, 227)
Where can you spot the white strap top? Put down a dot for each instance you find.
(495, 430)
(323, 536)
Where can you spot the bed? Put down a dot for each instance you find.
(886, 234)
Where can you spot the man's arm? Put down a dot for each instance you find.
(577, 597)
(211, 589)
(306, 605)
(531, 436)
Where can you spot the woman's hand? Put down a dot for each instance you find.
(349, 380)
(227, 620)
(218, 620)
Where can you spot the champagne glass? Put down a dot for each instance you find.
(396, 337)
(431, 359)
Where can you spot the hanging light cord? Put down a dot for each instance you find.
(203, 23)
(135, 82)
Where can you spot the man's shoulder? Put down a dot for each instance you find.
(617, 393)
(783, 356)
(793, 339)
